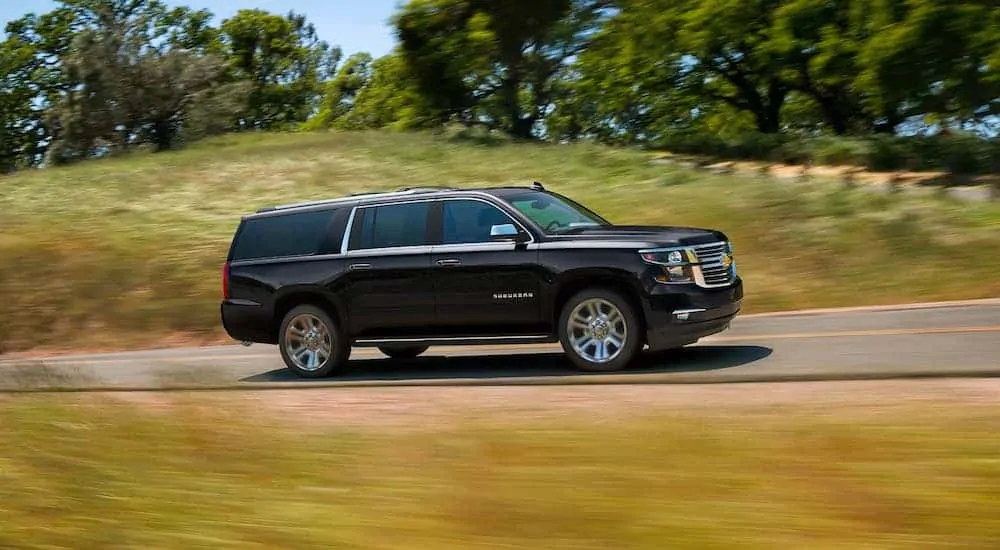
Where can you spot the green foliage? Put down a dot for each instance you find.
(97, 77)
(17, 117)
(491, 63)
(341, 92)
(284, 61)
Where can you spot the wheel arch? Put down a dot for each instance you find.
(616, 280)
(303, 296)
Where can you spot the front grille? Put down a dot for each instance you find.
(713, 272)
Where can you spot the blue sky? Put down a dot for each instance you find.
(354, 25)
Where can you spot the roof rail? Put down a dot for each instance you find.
(353, 196)
(425, 189)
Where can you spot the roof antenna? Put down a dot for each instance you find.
(537, 185)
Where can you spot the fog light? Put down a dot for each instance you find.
(685, 314)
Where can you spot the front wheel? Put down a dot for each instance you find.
(600, 330)
(312, 345)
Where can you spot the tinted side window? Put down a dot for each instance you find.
(470, 221)
(393, 225)
(282, 236)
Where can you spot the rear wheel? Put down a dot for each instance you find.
(600, 330)
(403, 352)
(312, 345)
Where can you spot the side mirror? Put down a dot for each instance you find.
(506, 232)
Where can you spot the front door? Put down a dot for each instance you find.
(388, 287)
(481, 286)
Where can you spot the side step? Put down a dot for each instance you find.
(457, 341)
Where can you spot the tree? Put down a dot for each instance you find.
(136, 70)
(341, 92)
(31, 82)
(931, 57)
(18, 120)
(820, 42)
(671, 63)
(390, 98)
(492, 63)
(284, 60)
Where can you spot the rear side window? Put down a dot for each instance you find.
(392, 225)
(282, 236)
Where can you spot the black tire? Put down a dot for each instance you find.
(337, 344)
(403, 351)
(621, 356)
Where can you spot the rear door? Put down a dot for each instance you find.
(388, 287)
(482, 286)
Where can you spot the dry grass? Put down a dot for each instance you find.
(121, 253)
(86, 473)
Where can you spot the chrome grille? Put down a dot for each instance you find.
(711, 272)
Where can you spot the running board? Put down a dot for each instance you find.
(455, 341)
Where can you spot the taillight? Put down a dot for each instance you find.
(225, 280)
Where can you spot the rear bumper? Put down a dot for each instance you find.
(681, 315)
(246, 321)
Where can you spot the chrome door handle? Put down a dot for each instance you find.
(359, 267)
(448, 262)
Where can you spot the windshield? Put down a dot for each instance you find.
(554, 213)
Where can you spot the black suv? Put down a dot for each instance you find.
(406, 270)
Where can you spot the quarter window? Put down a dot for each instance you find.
(392, 225)
(286, 235)
(470, 221)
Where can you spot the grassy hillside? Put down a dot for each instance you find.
(128, 251)
(213, 472)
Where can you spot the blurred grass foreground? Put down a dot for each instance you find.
(127, 251)
(104, 475)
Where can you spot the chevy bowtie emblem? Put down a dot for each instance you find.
(727, 260)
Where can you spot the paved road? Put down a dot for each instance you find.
(936, 339)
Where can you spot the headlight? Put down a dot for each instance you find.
(674, 265)
(664, 257)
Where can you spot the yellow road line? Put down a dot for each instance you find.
(855, 333)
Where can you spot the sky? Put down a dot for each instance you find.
(354, 25)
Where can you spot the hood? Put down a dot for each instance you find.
(654, 235)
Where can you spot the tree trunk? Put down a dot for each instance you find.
(768, 113)
(833, 114)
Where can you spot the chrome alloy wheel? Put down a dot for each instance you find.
(597, 330)
(308, 342)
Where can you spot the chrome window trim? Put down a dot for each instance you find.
(515, 221)
(418, 249)
(390, 251)
(560, 244)
(487, 246)
(287, 259)
(347, 232)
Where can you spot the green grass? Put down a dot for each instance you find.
(126, 252)
(955, 154)
(88, 474)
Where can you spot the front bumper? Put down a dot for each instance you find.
(677, 315)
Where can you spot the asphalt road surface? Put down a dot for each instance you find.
(948, 339)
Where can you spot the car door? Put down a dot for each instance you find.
(483, 285)
(388, 285)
